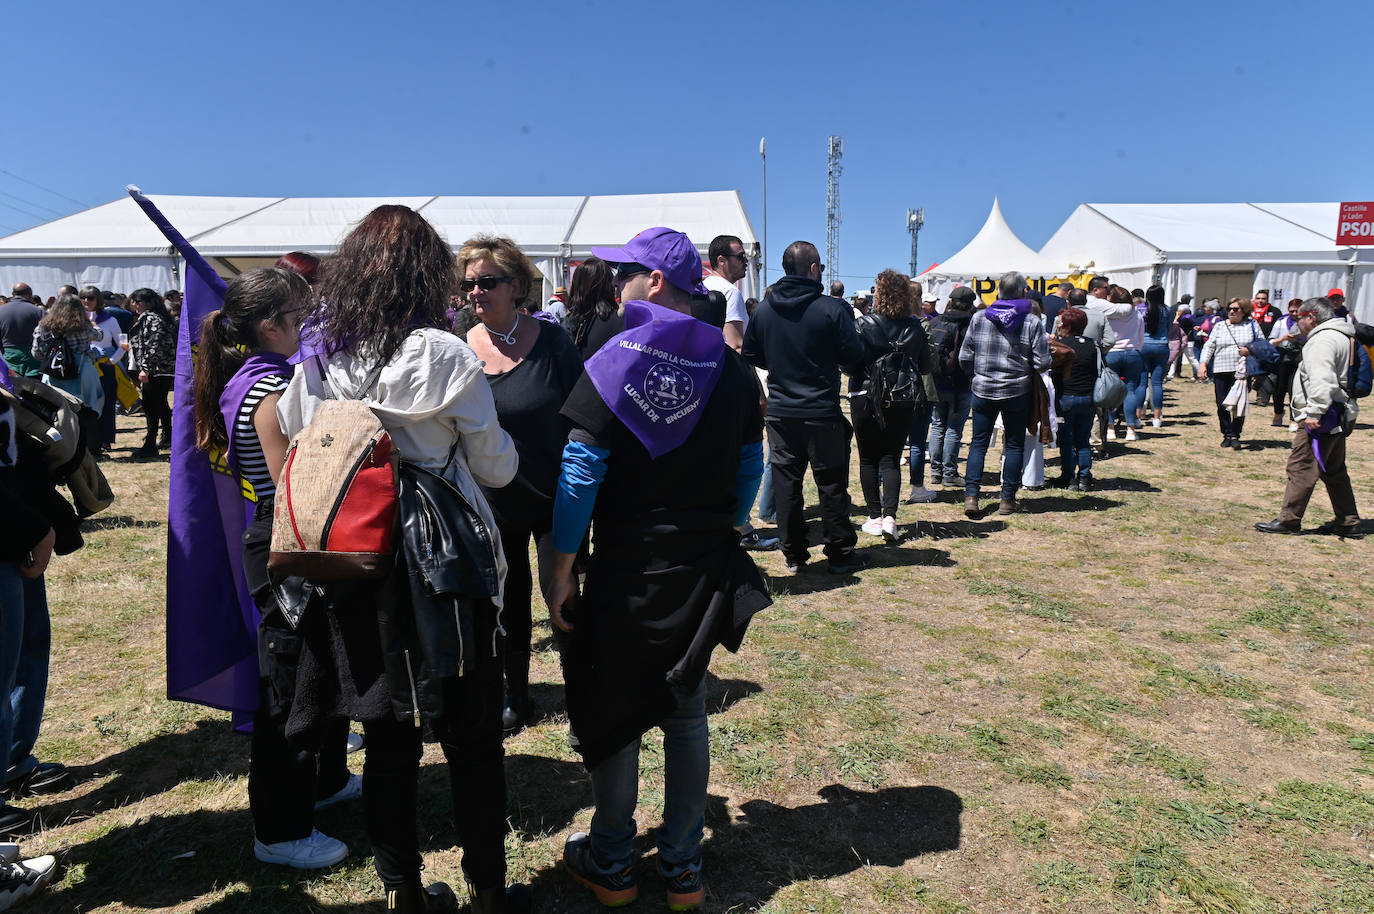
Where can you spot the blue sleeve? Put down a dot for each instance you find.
(747, 480)
(584, 467)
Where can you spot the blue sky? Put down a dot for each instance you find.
(1046, 105)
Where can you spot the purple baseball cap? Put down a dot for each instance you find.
(670, 252)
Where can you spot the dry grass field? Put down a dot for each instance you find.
(1123, 701)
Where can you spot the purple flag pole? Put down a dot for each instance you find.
(211, 620)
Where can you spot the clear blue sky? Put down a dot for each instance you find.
(1046, 105)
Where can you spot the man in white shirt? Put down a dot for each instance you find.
(728, 265)
(557, 305)
(1098, 304)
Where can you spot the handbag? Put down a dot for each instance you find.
(1109, 391)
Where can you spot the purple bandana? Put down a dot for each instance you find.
(1010, 314)
(257, 366)
(657, 374)
(545, 316)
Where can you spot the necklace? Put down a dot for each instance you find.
(509, 336)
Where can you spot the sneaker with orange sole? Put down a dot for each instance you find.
(612, 890)
(685, 891)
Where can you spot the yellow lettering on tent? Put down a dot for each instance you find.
(986, 289)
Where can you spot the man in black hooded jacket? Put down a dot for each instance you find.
(801, 337)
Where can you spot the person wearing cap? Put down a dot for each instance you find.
(801, 337)
(665, 452)
(928, 302)
(557, 306)
(1337, 299)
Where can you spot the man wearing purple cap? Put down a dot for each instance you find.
(666, 453)
(801, 337)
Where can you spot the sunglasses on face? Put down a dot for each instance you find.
(625, 270)
(485, 283)
(743, 257)
(88, 298)
(1230, 310)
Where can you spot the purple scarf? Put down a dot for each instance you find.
(545, 316)
(658, 374)
(1010, 314)
(257, 366)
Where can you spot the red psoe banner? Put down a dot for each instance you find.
(1356, 226)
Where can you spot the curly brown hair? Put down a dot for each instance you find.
(392, 275)
(892, 295)
(67, 318)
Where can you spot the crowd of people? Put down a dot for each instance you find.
(628, 427)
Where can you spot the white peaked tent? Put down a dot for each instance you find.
(993, 251)
(1218, 249)
(115, 247)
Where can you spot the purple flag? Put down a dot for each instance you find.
(658, 374)
(211, 620)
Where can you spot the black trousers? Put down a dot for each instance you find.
(1221, 386)
(534, 518)
(155, 409)
(824, 445)
(470, 736)
(1283, 383)
(880, 453)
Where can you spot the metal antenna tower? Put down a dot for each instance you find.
(833, 215)
(915, 218)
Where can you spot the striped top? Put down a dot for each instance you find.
(252, 465)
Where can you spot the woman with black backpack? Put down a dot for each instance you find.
(885, 390)
(62, 346)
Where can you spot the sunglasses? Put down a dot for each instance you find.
(1229, 310)
(743, 257)
(88, 298)
(485, 283)
(625, 270)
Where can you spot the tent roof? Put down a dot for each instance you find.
(994, 250)
(269, 226)
(1122, 235)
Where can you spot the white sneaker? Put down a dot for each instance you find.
(355, 742)
(24, 878)
(920, 495)
(890, 529)
(873, 526)
(349, 791)
(1111, 433)
(312, 853)
(1130, 433)
(1157, 422)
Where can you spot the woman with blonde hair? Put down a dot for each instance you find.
(531, 367)
(895, 347)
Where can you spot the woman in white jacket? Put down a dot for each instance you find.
(383, 301)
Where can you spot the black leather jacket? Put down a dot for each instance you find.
(881, 335)
(449, 560)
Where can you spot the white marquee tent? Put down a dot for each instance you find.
(114, 246)
(992, 252)
(1218, 249)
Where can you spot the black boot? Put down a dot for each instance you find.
(514, 900)
(519, 710)
(412, 898)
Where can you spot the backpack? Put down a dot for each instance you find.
(58, 426)
(60, 361)
(894, 380)
(1360, 379)
(335, 515)
(947, 339)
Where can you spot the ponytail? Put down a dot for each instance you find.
(217, 359)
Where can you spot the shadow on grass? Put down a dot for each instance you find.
(959, 529)
(211, 750)
(115, 522)
(1123, 484)
(1064, 504)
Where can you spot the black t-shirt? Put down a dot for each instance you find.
(1082, 374)
(597, 332)
(698, 476)
(528, 399)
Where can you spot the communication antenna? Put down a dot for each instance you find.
(833, 215)
(915, 218)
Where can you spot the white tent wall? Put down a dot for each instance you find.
(1285, 282)
(1179, 280)
(46, 275)
(1363, 304)
(1088, 236)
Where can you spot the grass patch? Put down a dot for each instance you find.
(1030, 829)
(994, 745)
(1063, 879)
(1025, 601)
(1180, 767)
(1159, 867)
(1319, 806)
(1073, 699)
(1281, 723)
(1350, 881)
(1198, 821)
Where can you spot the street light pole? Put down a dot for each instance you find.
(763, 154)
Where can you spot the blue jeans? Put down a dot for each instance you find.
(768, 511)
(25, 638)
(1128, 364)
(686, 770)
(1015, 411)
(1155, 358)
(947, 418)
(1075, 453)
(916, 440)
